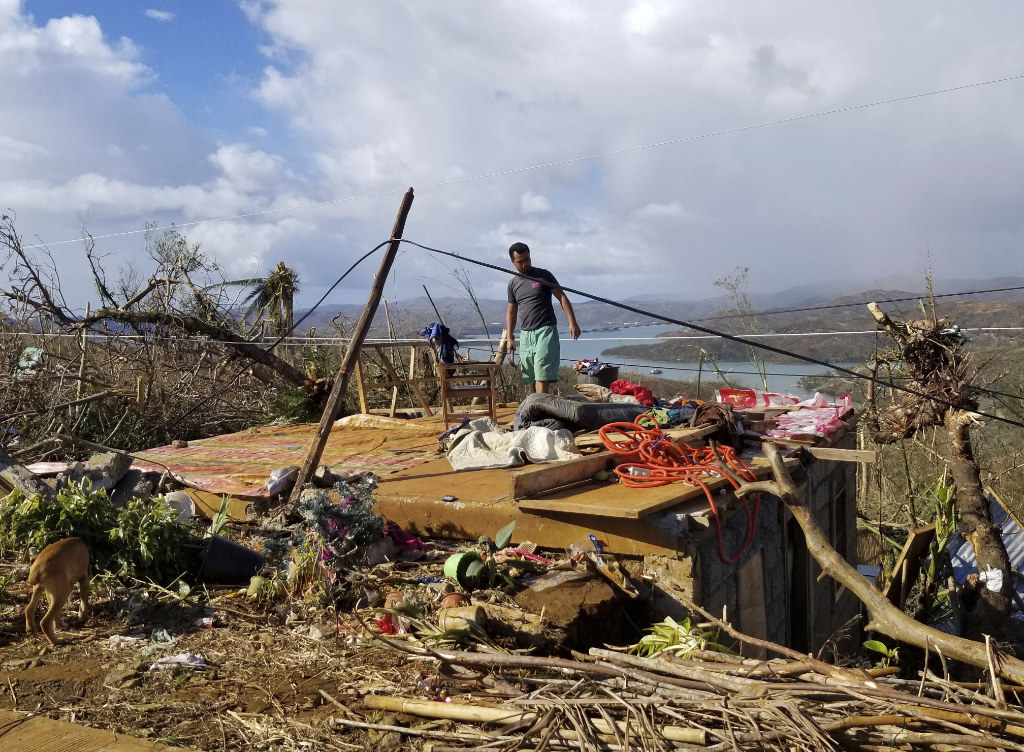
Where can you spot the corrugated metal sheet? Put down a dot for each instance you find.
(961, 554)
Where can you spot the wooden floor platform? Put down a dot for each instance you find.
(21, 732)
(553, 504)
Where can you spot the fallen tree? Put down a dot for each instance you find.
(164, 357)
(885, 617)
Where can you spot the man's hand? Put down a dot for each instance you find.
(510, 345)
(574, 330)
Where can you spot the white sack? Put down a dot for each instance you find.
(480, 449)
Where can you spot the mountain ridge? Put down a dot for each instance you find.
(410, 315)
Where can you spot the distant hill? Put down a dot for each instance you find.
(841, 306)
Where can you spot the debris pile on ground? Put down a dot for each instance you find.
(613, 700)
(340, 630)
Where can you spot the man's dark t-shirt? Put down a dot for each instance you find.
(533, 295)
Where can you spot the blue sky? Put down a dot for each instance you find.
(640, 147)
(203, 55)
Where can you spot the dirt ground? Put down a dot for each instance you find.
(271, 677)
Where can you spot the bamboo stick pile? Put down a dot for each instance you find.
(609, 700)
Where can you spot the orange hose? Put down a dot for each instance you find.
(660, 461)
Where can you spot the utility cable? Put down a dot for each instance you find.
(730, 337)
(773, 312)
(302, 340)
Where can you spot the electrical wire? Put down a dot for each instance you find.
(730, 337)
(773, 312)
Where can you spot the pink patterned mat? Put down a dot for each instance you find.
(239, 464)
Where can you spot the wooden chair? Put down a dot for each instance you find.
(467, 390)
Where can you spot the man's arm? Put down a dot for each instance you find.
(510, 327)
(574, 328)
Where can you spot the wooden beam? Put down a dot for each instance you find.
(334, 401)
(684, 434)
(363, 408)
(536, 480)
(844, 455)
(908, 565)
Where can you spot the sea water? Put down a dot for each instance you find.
(782, 377)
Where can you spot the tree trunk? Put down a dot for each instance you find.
(986, 608)
(886, 618)
(262, 360)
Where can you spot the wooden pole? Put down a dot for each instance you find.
(436, 312)
(337, 395)
(83, 339)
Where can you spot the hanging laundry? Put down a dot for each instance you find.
(442, 339)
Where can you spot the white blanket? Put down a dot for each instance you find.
(475, 450)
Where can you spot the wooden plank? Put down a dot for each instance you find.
(362, 390)
(683, 434)
(908, 565)
(537, 480)
(615, 500)
(844, 455)
(753, 617)
(21, 732)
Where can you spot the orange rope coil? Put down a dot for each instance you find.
(660, 461)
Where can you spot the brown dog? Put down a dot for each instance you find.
(56, 570)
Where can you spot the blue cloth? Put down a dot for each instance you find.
(442, 339)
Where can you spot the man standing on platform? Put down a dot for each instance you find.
(529, 299)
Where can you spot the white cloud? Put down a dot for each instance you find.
(352, 108)
(672, 210)
(247, 169)
(71, 42)
(159, 15)
(532, 203)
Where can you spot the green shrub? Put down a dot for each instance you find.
(143, 539)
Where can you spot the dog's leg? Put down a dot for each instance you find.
(30, 610)
(57, 596)
(83, 587)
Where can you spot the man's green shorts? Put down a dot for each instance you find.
(538, 354)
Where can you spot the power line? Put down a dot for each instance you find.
(772, 312)
(731, 337)
(321, 340)
(567, 161)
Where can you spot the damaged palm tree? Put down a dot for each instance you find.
(939, 393)
(162, 358)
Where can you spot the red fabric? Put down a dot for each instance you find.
(644, 395)
(403, 540)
